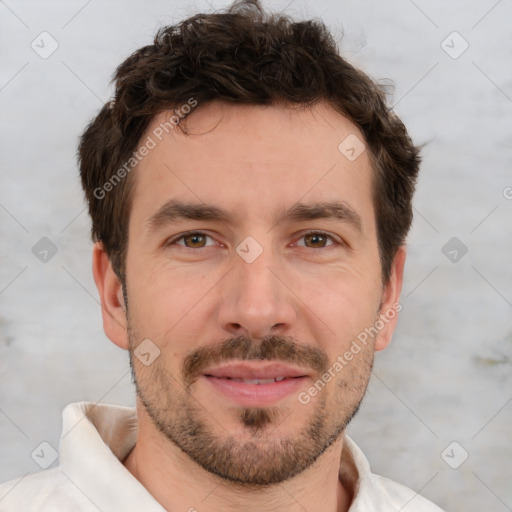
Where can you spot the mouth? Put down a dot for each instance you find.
(256, 384)
(254, 381)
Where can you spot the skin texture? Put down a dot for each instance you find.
(302, 301)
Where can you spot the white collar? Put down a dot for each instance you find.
(96, 467)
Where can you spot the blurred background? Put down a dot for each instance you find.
(438, 413)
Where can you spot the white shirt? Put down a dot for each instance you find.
(91, 477)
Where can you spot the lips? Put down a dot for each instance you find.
(255, 372)
(255, 383)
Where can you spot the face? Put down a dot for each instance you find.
(252, 267)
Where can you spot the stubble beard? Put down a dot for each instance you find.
(263, 458)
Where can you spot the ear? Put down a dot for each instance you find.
(113, 307)
(388, 314)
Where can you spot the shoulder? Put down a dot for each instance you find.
(46, 491)
(374, 492)
(401, 497)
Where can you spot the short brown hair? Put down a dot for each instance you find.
(242, 56)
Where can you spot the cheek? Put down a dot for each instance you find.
(167, 304)
(345, 302)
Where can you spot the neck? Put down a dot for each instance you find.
(178, 483)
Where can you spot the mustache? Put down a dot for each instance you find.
(242, 348)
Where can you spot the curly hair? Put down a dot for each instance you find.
(242, 55)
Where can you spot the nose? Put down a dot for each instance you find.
(256, 300)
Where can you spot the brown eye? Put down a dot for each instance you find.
(316, 240)
(193, 240)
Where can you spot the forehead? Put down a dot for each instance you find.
(253, 159)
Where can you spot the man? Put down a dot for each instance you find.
(250, 196)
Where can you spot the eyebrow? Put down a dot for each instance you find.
(338, 210)
(175, 210)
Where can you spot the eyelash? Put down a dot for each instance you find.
(202, 233)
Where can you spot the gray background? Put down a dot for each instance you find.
(447, 375)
